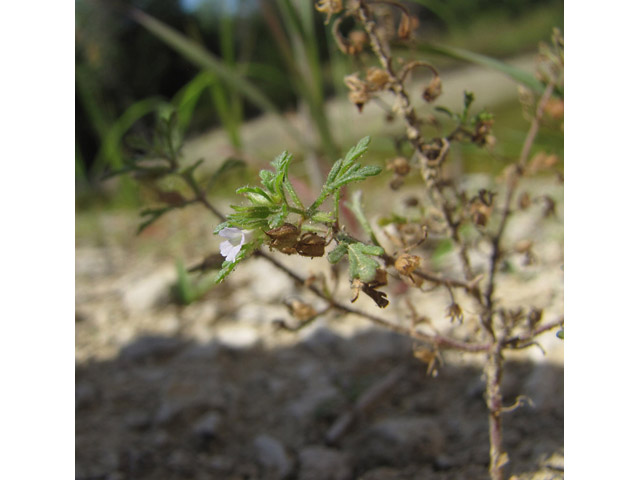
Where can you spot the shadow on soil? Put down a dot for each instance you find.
(172, 409)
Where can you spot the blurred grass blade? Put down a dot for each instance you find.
(525, 78)
(204, 59)
(440, 9)
(187, 99)
(110, 153)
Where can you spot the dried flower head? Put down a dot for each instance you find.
(524, 200)
(235, 239)
(407, 26)
(377, 78)
(481, 206)
(407, 263)
(399, 165)
(454, 312)
(301, 311)
(359, 94)
(433, 90)
(357, 41)
(329, 7)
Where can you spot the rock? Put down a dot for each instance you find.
(208, 425)
(151, 347)
(383, 473)
(238, 336)
(396, 441)
(272, 457)
(322, 463)
(137, 420)
(140, 294)
(308, 404)
(187, 400)
(85, 395)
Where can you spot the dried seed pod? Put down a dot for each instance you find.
(359, 94)
(523, 246)
(357, 41)
(407, 26)
(407, 263)
(301, 311)
(330, 7)
(481, 206)
(399, 165)
(433, 90)
(377, 78)
(555, 108)
(524, 201)
(310, 245)
(454, 312)
(284, 238)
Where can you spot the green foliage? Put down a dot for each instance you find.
(346, 171)
(361, 265)
(229, 266)
(187, 289)
(273, 203)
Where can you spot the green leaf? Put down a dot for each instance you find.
(445, 111)
(356, 152)
(278, 219)
(281, 164)
(268, 178)
(337, 253)
(361, 265)
(152, 215)
(355, 174)
(228, 267)
(220, 227)
(183, 288)
(334, 171)
(356, 207)
(256, 195)
(323, 217)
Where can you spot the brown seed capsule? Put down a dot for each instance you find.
(377, 78)
(524, 201)
(407, 26)
(284, 238)
(454, 312)
(433, 90)
(301, 311)
(399, 165)
(406, 263)
(358, 40)
(310, 245)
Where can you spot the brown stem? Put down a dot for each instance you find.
(520, 340)
(493, 374)
(430, 173)
(512, 184)
(437, 340)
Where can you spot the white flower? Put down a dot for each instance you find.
(236, 238)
